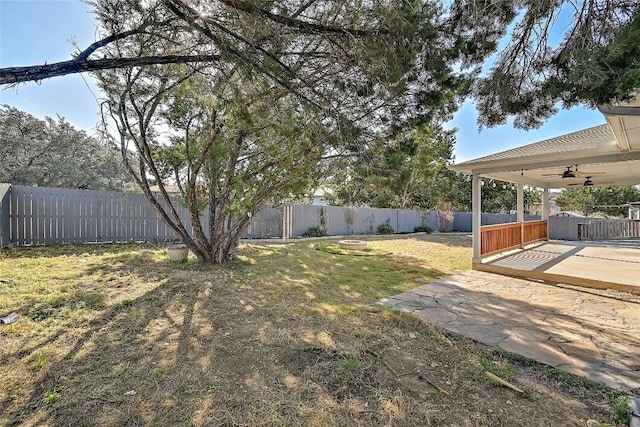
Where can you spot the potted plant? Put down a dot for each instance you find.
(178, 252)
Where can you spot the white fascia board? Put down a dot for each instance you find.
(616, 123)
(546, 162)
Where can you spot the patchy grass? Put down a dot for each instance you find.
(500, 369)
(285, 335)
(621, 410)
(335, 249)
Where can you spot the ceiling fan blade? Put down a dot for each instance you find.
(585, 174)
(598, 183)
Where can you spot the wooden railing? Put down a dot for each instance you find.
(504, 237)
(500, 237)
(533, 231)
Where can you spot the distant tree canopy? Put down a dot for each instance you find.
(497, 196)
(605, 200)
(403, 172)
(52, 153)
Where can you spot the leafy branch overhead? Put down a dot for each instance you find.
(557, 54)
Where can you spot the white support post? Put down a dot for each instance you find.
(520, 203)
(476, 213)
(546, 208)
(545, 203)
(520, 216)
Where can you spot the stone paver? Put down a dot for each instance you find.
(589, 335)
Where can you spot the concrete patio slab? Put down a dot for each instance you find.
(593, 335)
(601, 265)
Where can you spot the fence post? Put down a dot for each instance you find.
(5, 219)
(287, 222)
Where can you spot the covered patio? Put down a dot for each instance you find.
(603, 155)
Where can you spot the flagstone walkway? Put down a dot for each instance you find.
(581, 332)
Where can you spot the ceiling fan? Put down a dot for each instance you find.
(589, 183)
(571, 173)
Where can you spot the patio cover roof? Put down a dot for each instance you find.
(609, 154)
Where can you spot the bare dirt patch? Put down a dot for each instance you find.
(286, 335)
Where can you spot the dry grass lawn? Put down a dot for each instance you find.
(288, 334)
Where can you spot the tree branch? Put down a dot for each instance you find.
(13, 75)
(112, 38)
(295, 23)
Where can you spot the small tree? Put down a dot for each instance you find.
(607, 200)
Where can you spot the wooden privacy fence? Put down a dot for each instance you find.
(610, 229)
(504, 237)
(34, 215)
(38, 215)
(534, 231)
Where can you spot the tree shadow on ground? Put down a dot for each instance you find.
(283, 336)
(200, 346)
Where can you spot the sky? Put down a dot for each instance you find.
(37, 31)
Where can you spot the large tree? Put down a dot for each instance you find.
(52, 153)
(230, 145)
(292, 84)
(558, 54)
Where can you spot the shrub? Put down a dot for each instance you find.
(386, 228)
(315, 232)
(621, 410)
(423, 229)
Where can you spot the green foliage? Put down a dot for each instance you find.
(315, 232)
(385, 228)
(50, 398)
(497, 196)
(350, 365)
(36, 360)
(423, 229)
(50, 153)
(95, 301)
(406, 171)
(593, 62)
(621, 410)
(605, 200)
